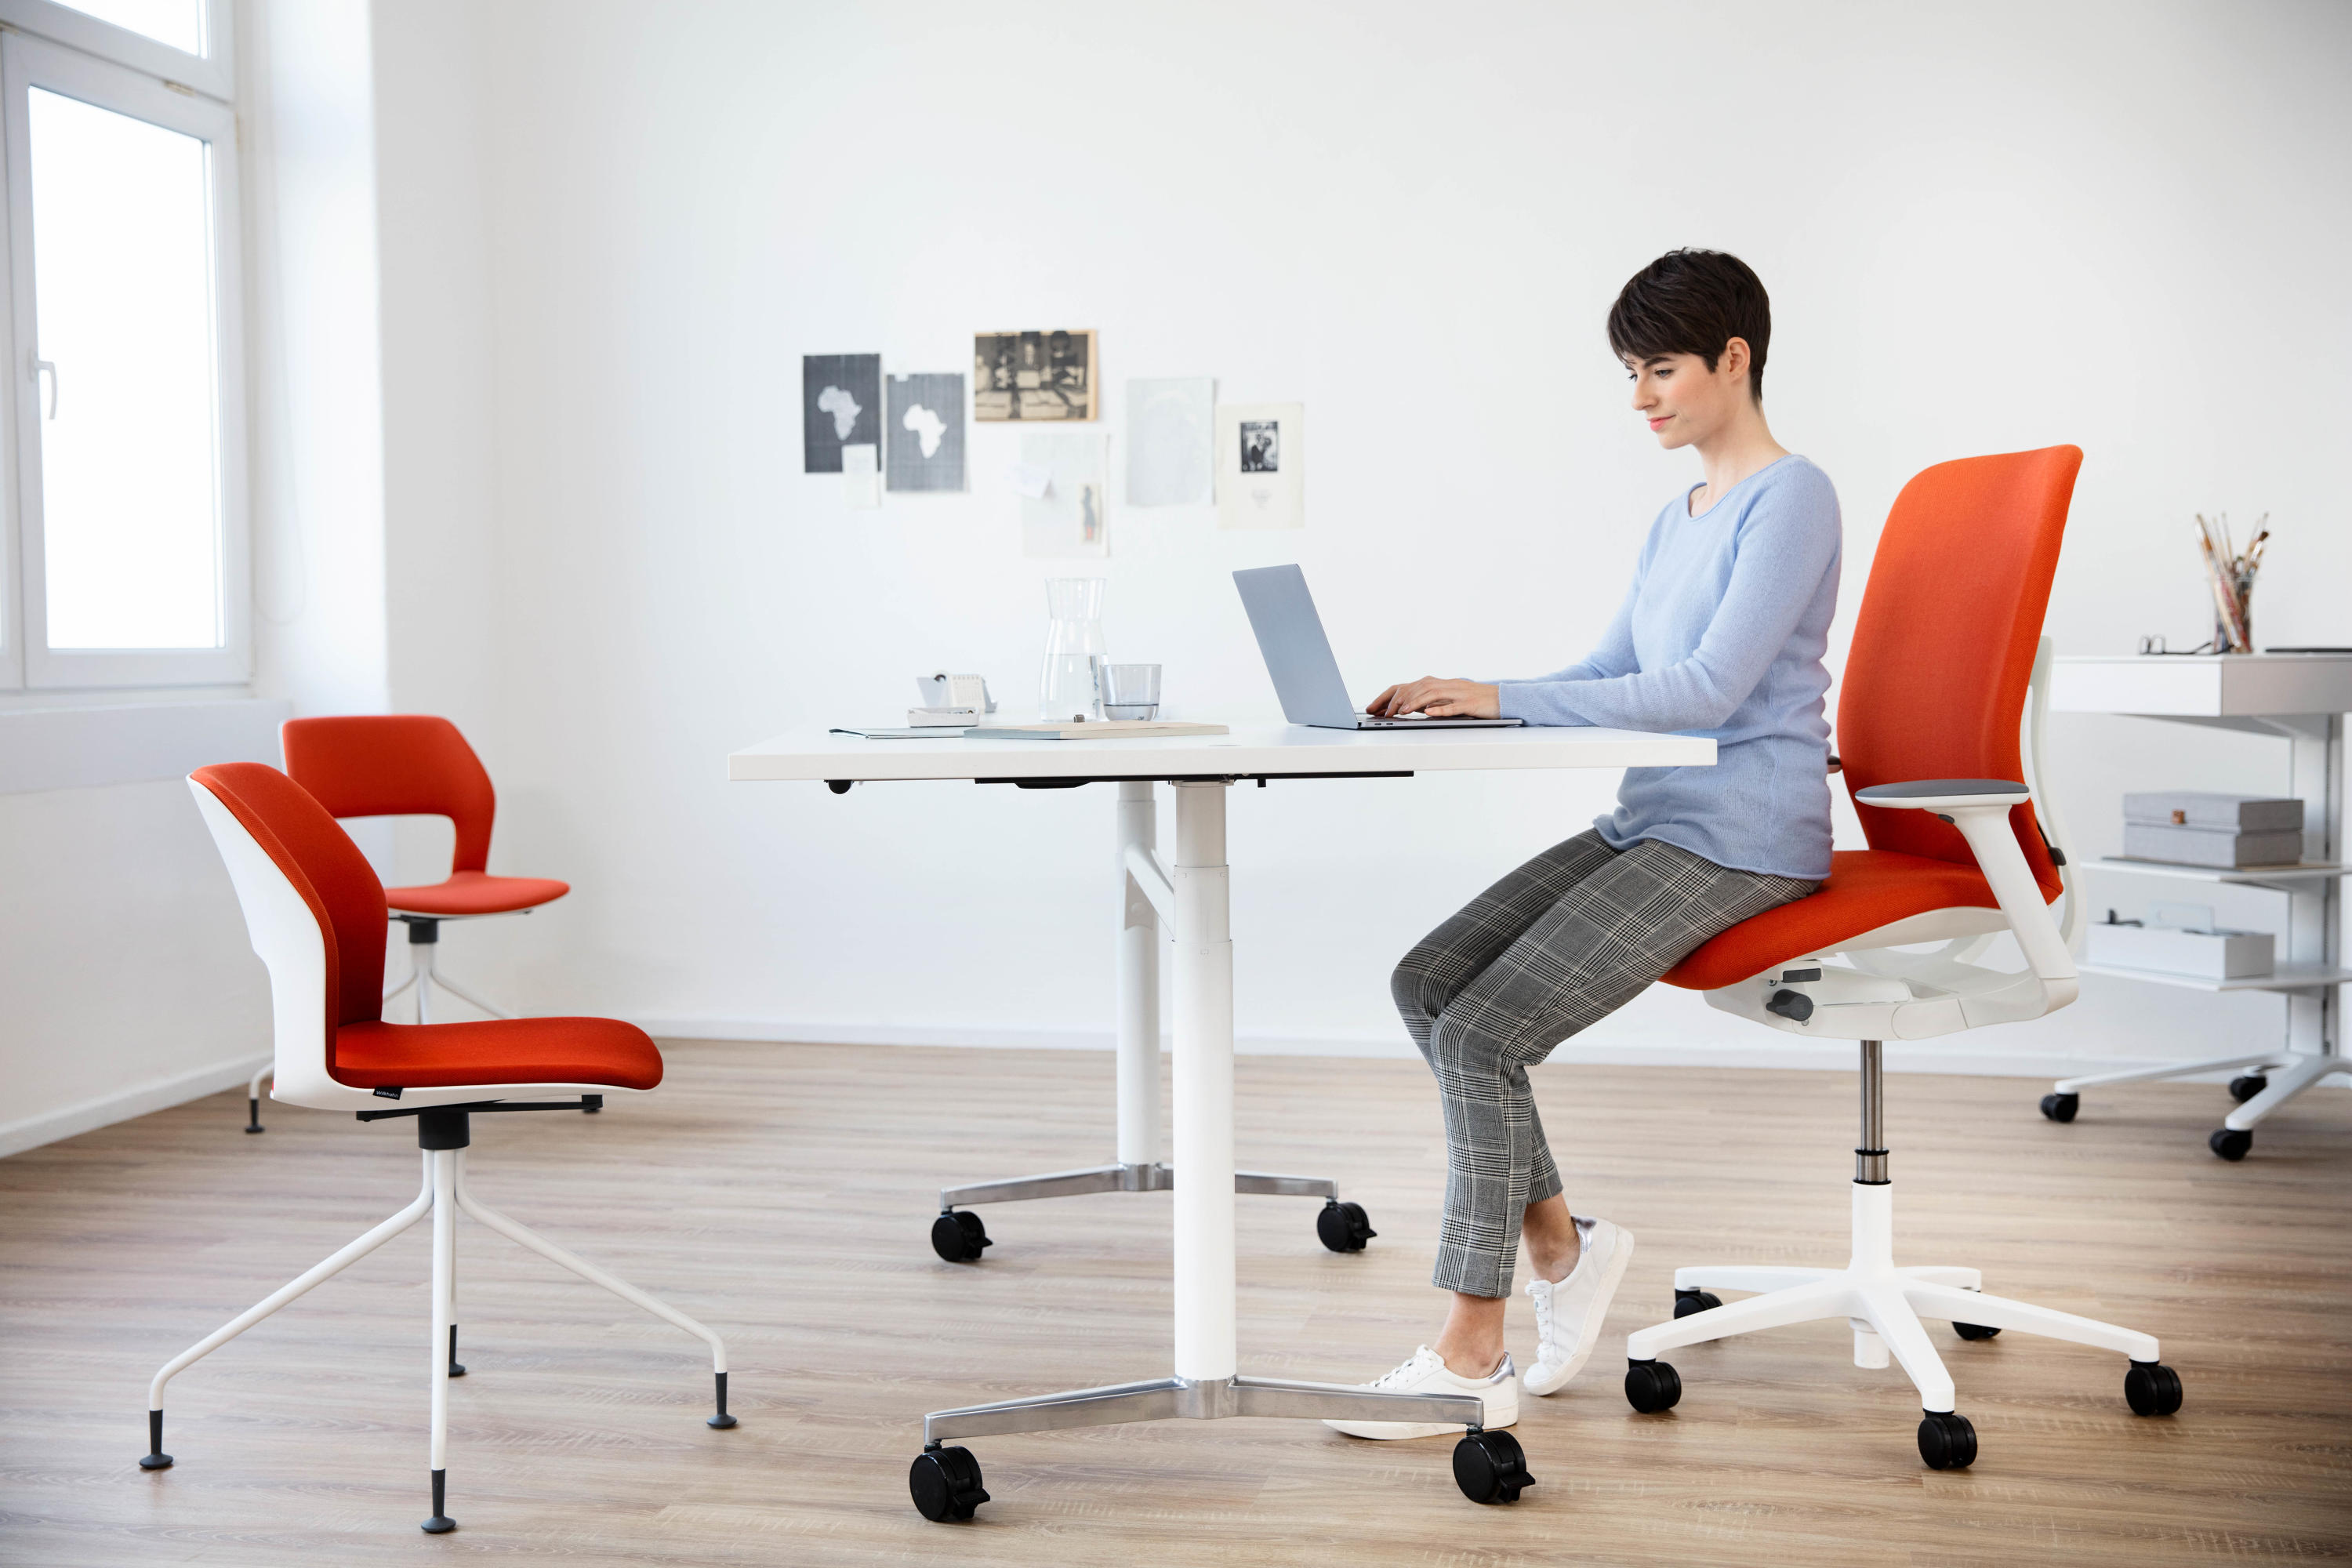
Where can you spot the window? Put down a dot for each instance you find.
(126, 564)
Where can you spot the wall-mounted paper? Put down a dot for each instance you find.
(861, 474)
(925, 413)
(1031, 479)
(1033, 375)
(1260, 465)
(1170, 425)
(1071, 518)
(841, 403)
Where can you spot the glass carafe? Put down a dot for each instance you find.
(1070, 686)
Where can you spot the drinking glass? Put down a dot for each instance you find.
(1130, 690)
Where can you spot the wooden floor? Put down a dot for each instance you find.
(784, 1194)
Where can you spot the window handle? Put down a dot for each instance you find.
(40, 366)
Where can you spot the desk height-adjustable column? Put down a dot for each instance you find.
(1148, 915)
(945, 1479)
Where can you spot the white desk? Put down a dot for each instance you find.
(2301, 698)
(1190, 898)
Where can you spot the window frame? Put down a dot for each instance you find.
(29, 61)
(212, 73)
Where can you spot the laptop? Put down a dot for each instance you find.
(1298, 657)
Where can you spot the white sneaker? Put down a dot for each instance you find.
(1569, 1314)
(1426, 1372)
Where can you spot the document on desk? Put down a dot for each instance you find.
(902, 733)
(1097, 730)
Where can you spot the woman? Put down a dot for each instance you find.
(1721, 636)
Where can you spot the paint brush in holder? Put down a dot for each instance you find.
(2230, 575)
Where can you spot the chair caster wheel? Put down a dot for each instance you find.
(958, 1235)
(1973, 1331)
(2230, 1144)
(945, 1484)
(1652, 1386)
(2060, 1107)
(1689, 1302)
(1343, 1228)
(2152, 1388)
(2244, 1089)
(1491, 1467)
(1946, 1441)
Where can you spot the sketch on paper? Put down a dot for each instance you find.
(1261, 461)
(1072, 517)
(925, 416)
(1033, 375)
(1169, 460)
(841, 406)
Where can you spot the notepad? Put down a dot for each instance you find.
(1100, 729)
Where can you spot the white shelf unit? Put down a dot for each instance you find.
(2302, 699)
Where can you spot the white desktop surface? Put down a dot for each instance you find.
(1251, 750)
(2236, 685)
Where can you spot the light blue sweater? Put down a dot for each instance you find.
(1721, 636)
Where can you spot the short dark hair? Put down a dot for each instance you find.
(1694, 302)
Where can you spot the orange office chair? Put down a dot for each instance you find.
(412, 764)
(1946, 651)
(315, 913)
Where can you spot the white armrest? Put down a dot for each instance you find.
(1979, 809)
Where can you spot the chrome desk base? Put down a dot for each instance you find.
(1197, 1399)
(1151, 1178)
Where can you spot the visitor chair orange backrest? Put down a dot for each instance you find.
(397, 764)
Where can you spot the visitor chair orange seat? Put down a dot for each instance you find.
(315, 914)
(412, 764)
(1946, 653)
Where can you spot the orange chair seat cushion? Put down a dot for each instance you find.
(476, 893)
(497, 1051)
(1866, 888)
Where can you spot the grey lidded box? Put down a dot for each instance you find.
(2210, 846)
(2223, 813)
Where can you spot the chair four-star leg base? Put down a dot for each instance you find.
(443, 1134)
(2266, 1081)
(1885, 1305)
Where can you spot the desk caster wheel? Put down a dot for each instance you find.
(945, 1484)
(1652, 1386)
(2245, 1088)
(2152, 1388)
(1689, 1302)
(2060, 1107)
(958, 1235)
(1490, 1466)
(2230, 1144)
(1946, 1441)
(1973, 1331)
(1343, 1226)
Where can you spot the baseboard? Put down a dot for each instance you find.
(1770, 1050)
(32, 1132)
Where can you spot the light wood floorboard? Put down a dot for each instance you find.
(783, 1193)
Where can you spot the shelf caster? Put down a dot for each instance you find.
(1652, 1386)
(2060, 1107)
(1343, 1228)
(1946, 1441)
(945, 1484)
(1689, 1302)
(1490, 1466)
(2229, 1145)
(957, 1235)
(2152, 1388)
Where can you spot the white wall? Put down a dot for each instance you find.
(2004, 226)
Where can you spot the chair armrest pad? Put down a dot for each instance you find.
(1943, 793)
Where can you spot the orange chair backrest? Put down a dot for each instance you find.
(328, 869)
(1943, 653)
(397, 764)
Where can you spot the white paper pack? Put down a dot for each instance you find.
(1260, 465)
(1170, 454)
(1071, 517)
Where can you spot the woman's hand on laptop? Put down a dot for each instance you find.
(1439, 699)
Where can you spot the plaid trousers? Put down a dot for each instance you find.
(1567, 938)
